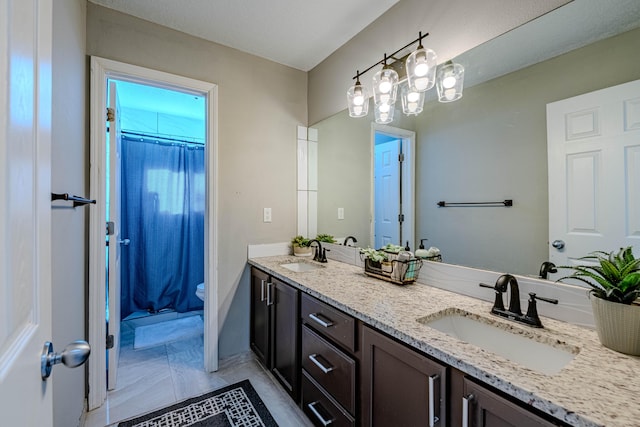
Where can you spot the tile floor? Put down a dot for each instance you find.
(155, 377)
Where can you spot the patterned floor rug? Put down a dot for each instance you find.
(237, 405)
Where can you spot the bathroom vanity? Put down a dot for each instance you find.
(371, 350)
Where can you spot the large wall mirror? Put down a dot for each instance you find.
(489, 146)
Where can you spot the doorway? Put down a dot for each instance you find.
(393, 186)
(157, 232)
(103, 72)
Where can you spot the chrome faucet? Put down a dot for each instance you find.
(514, 312)
(346, 240)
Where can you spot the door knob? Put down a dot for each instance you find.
(124, 242)
(558, 244)
(73, 355)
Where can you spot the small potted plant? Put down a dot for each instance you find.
(614, 279)
(301, 246)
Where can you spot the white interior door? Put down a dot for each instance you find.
(594, 173)
(387, 193)
(115, 240)
(25, 211)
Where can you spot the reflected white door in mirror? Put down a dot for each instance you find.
(594, 173)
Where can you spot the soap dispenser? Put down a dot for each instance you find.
(422, 252)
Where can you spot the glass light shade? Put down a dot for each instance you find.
(412, 100)
(358, 100)
(449, 82)
(384, 113)
(421, 69)
(385, 86)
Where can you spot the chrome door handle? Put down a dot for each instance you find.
(433, 418)
(73, 355)
(558, 244)
(316, 318)
(269, 293)
(466, 401)
(325, 369)
(124, 242)
(312, 407)
(262, 290)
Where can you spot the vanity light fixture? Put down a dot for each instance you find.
(358, 99)
(422, 74)
(450, 81)
(421, 67)
(385, 85)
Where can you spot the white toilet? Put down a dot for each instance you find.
(200, 291)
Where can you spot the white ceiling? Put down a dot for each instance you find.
(297, 33)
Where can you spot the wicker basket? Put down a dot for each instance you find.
(394, 271)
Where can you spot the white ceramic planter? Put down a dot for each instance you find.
(618, 325)
(302, 251)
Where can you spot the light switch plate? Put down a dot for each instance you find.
(266, 215)
(340, 213)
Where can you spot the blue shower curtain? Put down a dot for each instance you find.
(163, 200)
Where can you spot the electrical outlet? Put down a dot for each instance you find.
(340, 213)
(266, 215)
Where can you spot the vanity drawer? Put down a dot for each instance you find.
(320, 408)
(331, 368)
(328, 321)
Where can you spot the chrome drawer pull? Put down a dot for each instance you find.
(314, 359)
(312, 407)
(466, 400)
(269, 293)
(262, 291)
(433, 418)
(316, 318)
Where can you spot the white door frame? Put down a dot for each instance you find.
(101, 70)
(408, 174)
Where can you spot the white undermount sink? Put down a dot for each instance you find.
(300, 267)
(523, 350)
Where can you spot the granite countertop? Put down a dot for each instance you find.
(599, 387)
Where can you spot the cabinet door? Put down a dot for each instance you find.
(396, 383)
(259, 333)
(285, 354)
(485, 408)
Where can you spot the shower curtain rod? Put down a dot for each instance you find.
(158, 136)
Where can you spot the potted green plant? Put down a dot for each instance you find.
(301, 246)
(614, 279)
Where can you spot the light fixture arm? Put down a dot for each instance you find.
(384, 61)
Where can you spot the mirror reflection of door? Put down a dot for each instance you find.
(393, 182)
(594, 173)
(387, 164)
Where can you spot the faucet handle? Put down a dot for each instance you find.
(532, 317)
(498, 304)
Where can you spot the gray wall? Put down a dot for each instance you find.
(69, 171)
(260, 105)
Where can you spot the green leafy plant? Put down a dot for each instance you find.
(325, 238)
(300, 241)
(374, 255)
(615, 277)
(390, 247)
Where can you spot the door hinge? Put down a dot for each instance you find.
(109, 341)
(401, 218)
(111, 115)
(110, 228)
(401, 157)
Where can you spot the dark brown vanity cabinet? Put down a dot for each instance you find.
(274, 334)
(400, 387)
(482, 407)
(329, 367)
